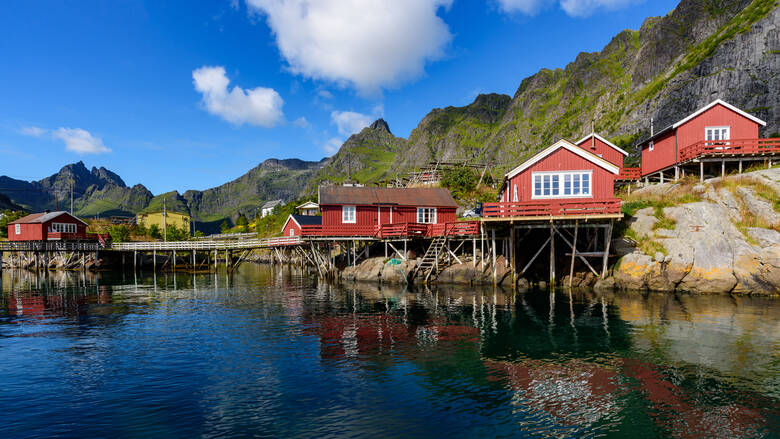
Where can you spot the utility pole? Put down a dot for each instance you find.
(165, 223)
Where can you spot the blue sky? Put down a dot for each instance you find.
(189, 95)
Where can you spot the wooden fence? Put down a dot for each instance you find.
(551, 208)
(730, 147)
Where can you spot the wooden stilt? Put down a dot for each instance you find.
(493, 243)
(701, 171)
(573, 251)
(473, 252)
(512, 255)
(174, 260)
(385, 249)
(722, 168)
(552, 256)
(154, 260)
(740, 166)
(135, 260)
(607, 242)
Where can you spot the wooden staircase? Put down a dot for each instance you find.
(429, 264)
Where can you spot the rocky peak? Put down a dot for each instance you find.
(380, 125)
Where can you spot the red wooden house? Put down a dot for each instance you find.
(559, 180)
(292, 227)
(363, 211)
(47, 226)
(702, 133)
(603, 148)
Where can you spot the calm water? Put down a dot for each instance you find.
(274, 354)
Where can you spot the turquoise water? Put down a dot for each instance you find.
(273, 353)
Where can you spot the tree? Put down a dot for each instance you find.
(199, 234)
(224, 227)
(8, 216)
(177, 233)
(155, 232)
(460, 180)
(242, 222)
(119, 233)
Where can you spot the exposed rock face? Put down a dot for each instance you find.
(706, 251)
(379, 270)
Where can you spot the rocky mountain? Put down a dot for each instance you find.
(365, 157)
(671, 66)
(95, 191)
(7, 204)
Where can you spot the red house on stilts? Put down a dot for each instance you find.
(48, 226)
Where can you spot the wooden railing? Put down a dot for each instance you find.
(730, 147)
(207, 245)
(551, 208)
(629, 174)
(400, 230)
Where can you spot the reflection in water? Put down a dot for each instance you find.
(269, 351)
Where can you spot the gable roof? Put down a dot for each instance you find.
(271, 204)
(304, 220)
(725, 104)
(40, 218)
(433, 197)
(596, 160)
(700, 111)
(308, 205)
(579, 142)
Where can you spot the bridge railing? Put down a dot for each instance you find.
(41, 246)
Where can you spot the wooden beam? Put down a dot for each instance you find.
(608, 241)
(573, 253)
(579, 254)
(538, 252)
(403, 257)
(552, 254)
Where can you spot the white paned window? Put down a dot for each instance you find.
(715, 134)
(18, 229)
(567, 184)
(348, 215)
(292, 232)
(426, 215)
(514, 195)
(63, 228)
(651, 146)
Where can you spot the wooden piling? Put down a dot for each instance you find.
(573, 251)
(552, 255)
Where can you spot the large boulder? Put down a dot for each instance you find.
(398, 273)
(630, 272)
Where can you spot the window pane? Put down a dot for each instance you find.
(585, 184)
(709, 134)
(555, 185)
(546, 185)
(567, 184)
(576, 190)
(537, 185)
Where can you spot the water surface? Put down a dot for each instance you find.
(273, 353)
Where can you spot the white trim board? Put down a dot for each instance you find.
(596, 160)
(615, 147)
(288, 220)
(725, 104)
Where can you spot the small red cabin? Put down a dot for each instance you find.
(603, 148)
(353, 210)
(562, 171)
(47, 226)
(715, 122)
(292, 227)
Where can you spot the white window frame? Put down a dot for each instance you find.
(651, 146)
(514, 195)
(345, 217)
(561, 178)
(431, 215)
(719, 129)
(18, 229)
(292, 232)
(64, 228)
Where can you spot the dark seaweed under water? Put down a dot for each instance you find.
(273, 353)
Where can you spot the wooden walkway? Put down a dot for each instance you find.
(221, 244)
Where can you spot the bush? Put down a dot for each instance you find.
(155, 232)
(224, 227)
(119, 233)
(243, 223)
(199, 234)
(177, 233)
(461, 181)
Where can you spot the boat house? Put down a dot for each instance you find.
(718, 134)
(47, 226)
(293, 225)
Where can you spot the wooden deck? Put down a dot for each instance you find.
(389, 231)
(629, 174)
(731, 148)
(552, 210)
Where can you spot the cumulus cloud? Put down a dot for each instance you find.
(258, 106)
(573, 8)
(301, 122)
(80, 141)
(76, 139)
(325, 94)
(349, 122)
(367, 44)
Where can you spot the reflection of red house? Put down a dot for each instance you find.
(47, 226)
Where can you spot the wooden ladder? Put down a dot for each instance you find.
(429, 264)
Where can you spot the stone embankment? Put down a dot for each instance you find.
(726, 242)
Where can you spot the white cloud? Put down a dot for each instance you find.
(80, 141)
(258, 106)
(332, 145)
(527, 7)
(368, 44)
(301, 122)
(584, 8)
(349, 122)
(325, 94)
(573, 8)
(33, 131)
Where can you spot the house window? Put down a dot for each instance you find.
(514, 196)
(292, 232)
(651, 145)
(348, 215)
(63, 228)
(18, 229)
(717, 133)
(562, 184)
(426, 215)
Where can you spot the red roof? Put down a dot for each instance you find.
(434, 197)
(40, 218)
